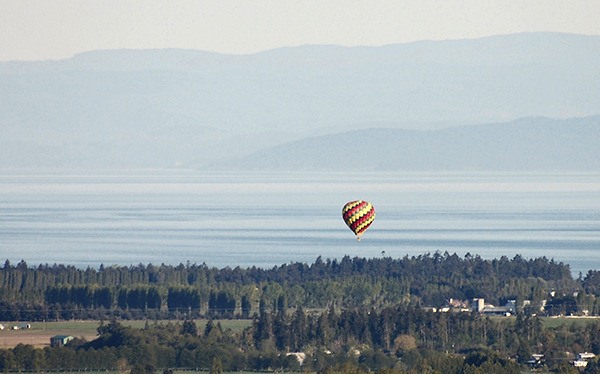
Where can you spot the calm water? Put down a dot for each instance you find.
(172, 217)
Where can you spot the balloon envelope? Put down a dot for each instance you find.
(358, 215)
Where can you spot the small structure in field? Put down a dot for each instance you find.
(60, 340)
(21, 326)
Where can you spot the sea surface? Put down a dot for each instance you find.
(89, 218)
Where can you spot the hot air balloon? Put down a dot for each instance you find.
(358, 215)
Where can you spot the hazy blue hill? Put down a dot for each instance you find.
(157, 108)
(526, 144)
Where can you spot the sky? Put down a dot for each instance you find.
(57, 29)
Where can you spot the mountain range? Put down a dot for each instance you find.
(522, 101)
(521, 145)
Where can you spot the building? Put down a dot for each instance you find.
(585, 356)
(536, 361)
(582, 359)
(478, 304)
(21, 326)
(60, 340)
(511, 306)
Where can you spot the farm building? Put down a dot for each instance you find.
(21, 326)
(60, 340)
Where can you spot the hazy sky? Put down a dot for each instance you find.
(53, 29)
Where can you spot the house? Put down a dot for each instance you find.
(536, 361)
(60, 340)
(585, 356)
(455, 305)
(582, 359)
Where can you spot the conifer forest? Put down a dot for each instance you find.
(436, 313)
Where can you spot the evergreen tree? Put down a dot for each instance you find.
(190, 328)
(216, 366)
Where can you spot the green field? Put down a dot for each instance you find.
(553, 322)
(40, 332)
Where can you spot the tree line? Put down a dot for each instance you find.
(54, 292)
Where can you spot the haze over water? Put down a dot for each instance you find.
(171, 217)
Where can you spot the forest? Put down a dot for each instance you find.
(347, 315)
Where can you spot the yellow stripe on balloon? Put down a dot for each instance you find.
(361, 212)
(366, 223)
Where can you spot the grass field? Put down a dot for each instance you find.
(40, 332)
(553, 322)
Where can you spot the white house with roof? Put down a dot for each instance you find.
(582, 359)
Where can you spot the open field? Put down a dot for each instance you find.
(553, 322)
(40, 332)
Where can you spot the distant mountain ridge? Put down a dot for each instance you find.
(167, 108)
(525, 144)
